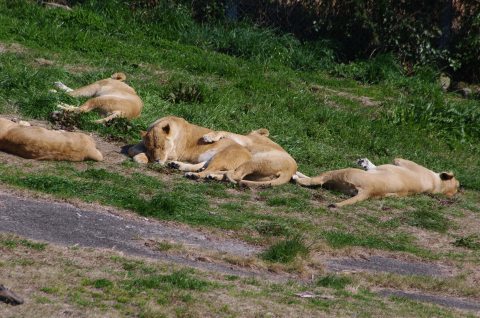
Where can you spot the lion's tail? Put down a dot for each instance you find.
(96, 155)
(282, 178)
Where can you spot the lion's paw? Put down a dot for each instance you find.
(63, 87)
(365, 164)
(173, 164)
(66, 107)
(208, 138)
(192, 175)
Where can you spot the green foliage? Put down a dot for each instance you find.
(379, 69)
(286, 251)
(444, 33)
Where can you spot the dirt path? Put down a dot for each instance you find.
(65, 224)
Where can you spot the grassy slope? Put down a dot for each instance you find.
(261, 80)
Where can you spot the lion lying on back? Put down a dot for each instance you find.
(43, 144)
(251, 160)
(111, 96)
(402, 178)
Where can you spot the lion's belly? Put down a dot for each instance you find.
(206, 156)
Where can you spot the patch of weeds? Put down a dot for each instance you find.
(33, 245)
(13, 243)
(285, 251)
(98, 174)
(50, 290)
(166, 205)
(339, 239)
(10, 244)
(271, 228)
(159, 168)
(293, 202)
(428, 219)
(78, 298)
(334, 281)
(471, 242)
(48, 183)
(231, 277)
(121, 129)
(102, 283)
(186, 93)
(232, 206)
(166, 246)
(42, 300)
(128, 163)
(180, 279)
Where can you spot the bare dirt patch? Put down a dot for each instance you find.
(451, 302)
(364, 100)
(12, 48)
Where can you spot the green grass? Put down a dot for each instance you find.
(397, 242)
(240, 77)
(286, 251)
(12, 244)
(180, 279)
(470, 241)
(334, 281)
(430, 219)
(93, 283)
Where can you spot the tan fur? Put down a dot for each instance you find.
(402, 178)
(270, 164)
(174, 140)
(111, 96)
(43, 144)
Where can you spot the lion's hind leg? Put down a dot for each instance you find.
(361, 196)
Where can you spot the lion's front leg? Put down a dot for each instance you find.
(214, 136)
(188, 167)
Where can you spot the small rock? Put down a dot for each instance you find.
(9, 297)
(43, 62)
(204, 259)
(56, 6)
(308, 294)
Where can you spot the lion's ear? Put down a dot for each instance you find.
(143, 133)
(166, 129)
(446, 176)
(263, 132)
(119, 76)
